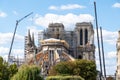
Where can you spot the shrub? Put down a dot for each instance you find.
(64, 78)
(84, 68)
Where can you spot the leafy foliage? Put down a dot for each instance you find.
(12, 70)
(83, 68)
(65, 68)
(27, 72)
(87, 69)
(7, 71)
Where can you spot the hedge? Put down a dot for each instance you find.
(64, 78)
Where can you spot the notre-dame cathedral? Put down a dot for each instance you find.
(56, 44)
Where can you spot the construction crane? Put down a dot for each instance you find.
(17, 22)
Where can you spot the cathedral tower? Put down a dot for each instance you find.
(55, 30)
(85, 41)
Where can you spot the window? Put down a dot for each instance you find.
(58, 36)
(80, 57)
(57, 29)
(86, 36)
(81, 37)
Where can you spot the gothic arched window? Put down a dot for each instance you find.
(86, 36)
(80, 57)
(81, 37)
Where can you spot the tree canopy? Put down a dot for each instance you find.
(6, 70)
(28, 72)
(84, 68)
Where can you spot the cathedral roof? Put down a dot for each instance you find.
(54, 41)
(43, 56)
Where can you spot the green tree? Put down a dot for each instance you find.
(6, 70)
(12, 70)
(83, 68)
(28, 72)
(63, 68)
(87, 69)
(1, 60)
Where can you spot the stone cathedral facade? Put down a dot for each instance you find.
(118, 57)
(80, 40)
(56, 44)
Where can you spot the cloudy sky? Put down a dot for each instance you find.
(67, 12)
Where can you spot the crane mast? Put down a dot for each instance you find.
(17, 22)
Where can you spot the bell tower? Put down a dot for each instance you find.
(85, 41)
(85, 33)
(55, 30)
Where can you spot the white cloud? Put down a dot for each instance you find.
(67, 7)
(109, 37)
(3, 14)
(110, 62)
(72, 6)
(116, 5)
(68, 20)
(3, 50)
(53, 8)
(5, 41)
(7, 37)
(111, 54)
(15, 52)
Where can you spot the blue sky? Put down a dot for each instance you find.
(66, 11)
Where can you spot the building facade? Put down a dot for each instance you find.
(56, 44)
(118, 57)
(81, 39)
